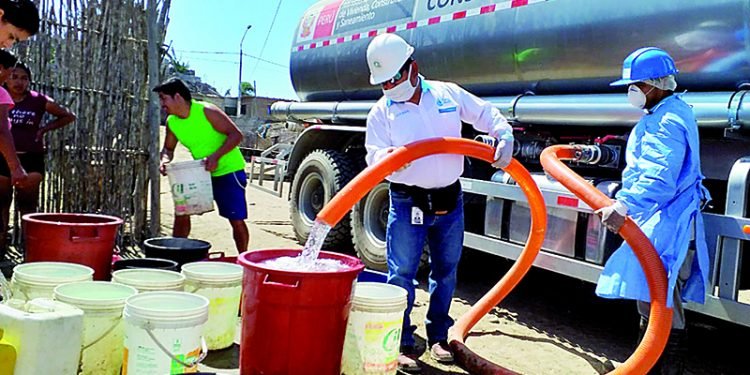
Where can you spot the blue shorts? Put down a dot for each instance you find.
(229, 194)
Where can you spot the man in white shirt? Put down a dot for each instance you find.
(425, 195)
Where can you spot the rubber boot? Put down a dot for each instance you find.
(672, 360)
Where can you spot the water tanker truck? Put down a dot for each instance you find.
(546, 65)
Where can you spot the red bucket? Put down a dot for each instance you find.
(294, 322)
(86, 239)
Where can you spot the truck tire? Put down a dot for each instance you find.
(369, 221)
(319, 177)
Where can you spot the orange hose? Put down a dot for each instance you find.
(660, 318)
(370, 177)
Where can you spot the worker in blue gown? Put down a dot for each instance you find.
(662, 192)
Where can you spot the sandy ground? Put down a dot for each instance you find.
(549, 325)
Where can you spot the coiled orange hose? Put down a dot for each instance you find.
(367, 179)
(660, 318)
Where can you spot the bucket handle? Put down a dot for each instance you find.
(215, 255)
(103, 335)
(266, 281)
(204, 350)
(77, 236)
(194, 291)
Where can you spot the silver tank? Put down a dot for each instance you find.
(547, 47)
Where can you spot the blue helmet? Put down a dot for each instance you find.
(646, 63)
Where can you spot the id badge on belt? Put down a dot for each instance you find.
(417, 216)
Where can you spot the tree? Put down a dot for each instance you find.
(247, 89)
(180, 66)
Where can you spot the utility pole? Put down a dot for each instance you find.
(239, 83)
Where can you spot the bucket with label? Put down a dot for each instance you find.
(221, 283)
(150, 280)
(163, 333)
(373, 334)
(294, 322)
(102, 303)
(191, 187)
(39, 279)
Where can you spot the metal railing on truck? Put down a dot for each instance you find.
(725, 235)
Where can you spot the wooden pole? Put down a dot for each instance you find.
(154, 56)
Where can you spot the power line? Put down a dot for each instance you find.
(207, 52)
(235, 54)
(268, 34)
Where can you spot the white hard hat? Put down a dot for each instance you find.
(386, 54)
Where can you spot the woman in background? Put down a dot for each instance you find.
(28, 138)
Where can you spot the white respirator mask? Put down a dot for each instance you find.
(403, 91)
(636, 97)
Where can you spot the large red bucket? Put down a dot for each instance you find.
(86, 239)
(294, 322)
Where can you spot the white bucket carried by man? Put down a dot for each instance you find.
(190, 183)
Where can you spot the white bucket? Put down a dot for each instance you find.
(102, 303)
(190, 183)
(221, 283)
(163, 333)
(150, 280)
(39, 279)
(373, 333)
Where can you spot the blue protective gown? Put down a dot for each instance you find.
(661, 186)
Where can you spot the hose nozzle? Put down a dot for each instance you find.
(595, 155)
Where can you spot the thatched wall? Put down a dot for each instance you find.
(92, 56)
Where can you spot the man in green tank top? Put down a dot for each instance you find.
(208, 133)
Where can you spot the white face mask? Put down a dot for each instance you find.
(403, 91)
(636, 97)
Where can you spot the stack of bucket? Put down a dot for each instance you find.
(98, 327)
(143, 323)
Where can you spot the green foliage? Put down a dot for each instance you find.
(180, 66)
(247, 89)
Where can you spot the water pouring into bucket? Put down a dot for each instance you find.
(309, 260)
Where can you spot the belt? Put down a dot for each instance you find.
(416, 190)
(438, 201)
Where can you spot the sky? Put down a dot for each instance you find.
(207, 37)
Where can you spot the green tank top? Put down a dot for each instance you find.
(200, 137)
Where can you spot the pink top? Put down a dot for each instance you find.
(6, 99)
(25, 119)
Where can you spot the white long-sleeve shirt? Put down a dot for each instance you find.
(442, 108)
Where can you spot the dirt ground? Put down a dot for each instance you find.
(549, 325)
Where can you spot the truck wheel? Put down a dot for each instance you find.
(369, 222)
(319, 177)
